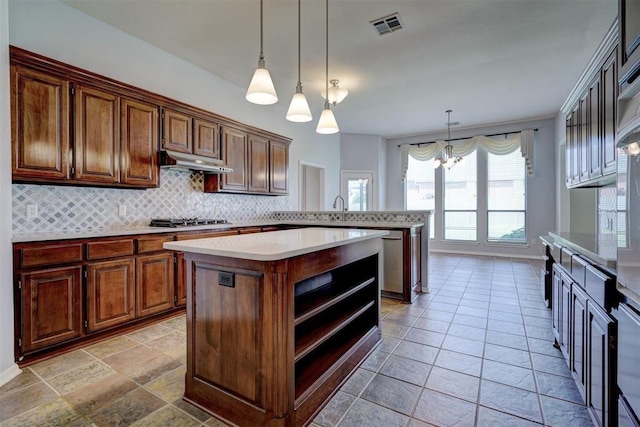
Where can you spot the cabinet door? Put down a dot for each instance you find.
(234, 153)
(181, 279)
(601, 396)
(578, 337)
(139, 130)
(176, 131)
(279, 167)
(565, 316)
(154, 283)
(594, 137)
(569, 150)
(583, 139)
(206, 141)
(609, 112)
(258, 164)
(556, 308)
(39, 125)
(629, 13)
(51, 307)
(97, 136)
(110, 293)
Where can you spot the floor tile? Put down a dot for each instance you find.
(357, 382)
(24, 379)
(469, 332)
(434, 314)
(365, 413)
(168, 416)
(169, 386)
(559, 387)
(194, 411)
(130, 408)
(149, 333)
(77, 378)
(540, 333)
(335, 410)
(388, 343)
(177, 323)
(391, 393)
(459, 362)
(490, 418)
(375, 360)
(543, 347)
(472, 311)
(407, 370)
(443, 410)
(59, 365)
(566, 414)
(24, 399)
(453, 383)
(422, 336)
(463, 345)
(431, 325)
(508, 355)
(421, 353)
(56, 412)
(473, 321)
(508, 374)
(101, 392)
(508, 327)
(394, 329)
(550, 364)
(111, 346)
(507, 340)
(167, 342)
(515, 401)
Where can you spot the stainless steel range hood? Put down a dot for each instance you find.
(189, 162)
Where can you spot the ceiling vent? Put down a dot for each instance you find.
(388, 24)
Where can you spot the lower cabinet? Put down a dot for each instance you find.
(154, 283)
(586, 334)
(51, 307)
(110, 293)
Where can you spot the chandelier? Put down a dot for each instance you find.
(447, 159)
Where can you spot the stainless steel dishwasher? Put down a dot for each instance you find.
(392, 265)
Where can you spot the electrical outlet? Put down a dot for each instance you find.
(122, 210)
(533, 242)
(226, 278)
(216, 211)
(32, 211)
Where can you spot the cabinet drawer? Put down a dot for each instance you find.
(49, 255)
(204, 235)
(151, 244)
(599, 286)
(565, 258)
(109, 249)
(578, 268)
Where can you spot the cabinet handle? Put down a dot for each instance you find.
(612, 342)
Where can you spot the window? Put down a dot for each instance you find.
(421, 188)
(461, 200)
(506, 198)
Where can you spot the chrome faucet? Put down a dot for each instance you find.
(335, 205)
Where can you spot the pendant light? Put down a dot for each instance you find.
(261, 90)
(448, 160)
(299, 108)
(327, 123)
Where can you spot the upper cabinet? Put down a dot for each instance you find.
(590, 114)
(71, 126)
(629, 16)
(260, 164)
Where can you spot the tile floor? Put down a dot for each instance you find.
(476, 351)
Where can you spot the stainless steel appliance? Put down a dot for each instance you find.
(185, 222)
(192, 163)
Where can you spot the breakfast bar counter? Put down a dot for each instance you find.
(277, 321)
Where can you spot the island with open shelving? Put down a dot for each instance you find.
(277, 321)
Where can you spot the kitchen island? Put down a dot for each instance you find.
(277, 321)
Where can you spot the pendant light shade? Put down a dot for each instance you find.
(261, 90)
(327, 123)
(448, 160)
(299, 108)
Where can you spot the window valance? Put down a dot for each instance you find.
(499, 145)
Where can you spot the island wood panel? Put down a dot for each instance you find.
(97, 135)
(280, 399)
(52, 301)
(39, 125)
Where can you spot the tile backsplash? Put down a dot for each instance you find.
(63, 208)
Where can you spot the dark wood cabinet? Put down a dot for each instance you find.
(578, 337)
(206, 141)
(40, 125)
(591, 124)
(97, 136)
(139, 139)
(234, 147)
(602, 393)
(176, 131)
(51, 307)
(278, 167)
(110, 293)
(629, 17)
(154, 283)
(258, 160)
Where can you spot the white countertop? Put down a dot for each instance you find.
(275, 245)
(128, 231)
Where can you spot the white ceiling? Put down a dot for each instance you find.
(490, 61)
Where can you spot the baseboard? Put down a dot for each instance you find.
(9, 374)
(489, 254)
